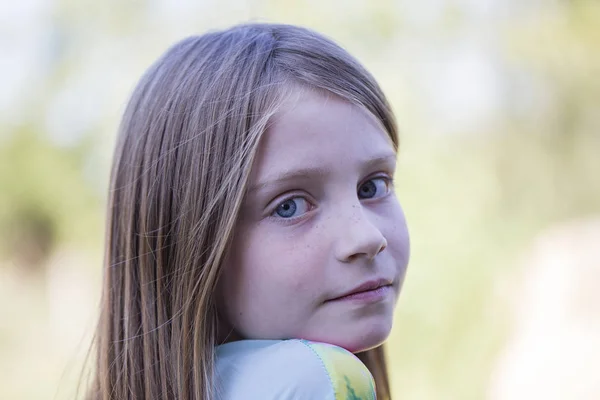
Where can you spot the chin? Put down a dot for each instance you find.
(358, 338)
(360, 344)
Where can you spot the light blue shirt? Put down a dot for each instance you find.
(290, 370)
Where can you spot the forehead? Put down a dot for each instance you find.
(316, 129)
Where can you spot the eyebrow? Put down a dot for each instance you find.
(312, 172)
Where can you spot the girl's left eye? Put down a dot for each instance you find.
(374, 188)
(293, 207)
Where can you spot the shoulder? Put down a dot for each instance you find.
(291, 369)
(349, 377)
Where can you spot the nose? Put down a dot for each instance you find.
(358, 237)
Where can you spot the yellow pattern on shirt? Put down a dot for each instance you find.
(350, 378)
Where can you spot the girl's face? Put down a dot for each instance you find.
(320, 221)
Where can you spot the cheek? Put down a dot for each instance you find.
(270, 279)
(286, 257)
(396, 233)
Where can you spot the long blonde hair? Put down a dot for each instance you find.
(186, 145)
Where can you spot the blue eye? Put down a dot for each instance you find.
(293, 207)
(373, 188)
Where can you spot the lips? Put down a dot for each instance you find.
(365, 287)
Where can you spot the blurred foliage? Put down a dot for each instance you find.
(477, 202)
(474, 199)
(45, 199)
(549, 154)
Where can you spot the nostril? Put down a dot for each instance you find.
(383, 246)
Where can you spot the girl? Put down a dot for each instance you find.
(254, 241)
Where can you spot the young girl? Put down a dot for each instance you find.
(254, 240)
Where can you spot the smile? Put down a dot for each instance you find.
(372, 291)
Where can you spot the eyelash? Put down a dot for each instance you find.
(388, 179)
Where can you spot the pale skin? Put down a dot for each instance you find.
(320, 218)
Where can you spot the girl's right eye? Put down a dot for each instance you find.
(291, 208)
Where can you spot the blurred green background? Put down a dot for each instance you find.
(498, 103)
